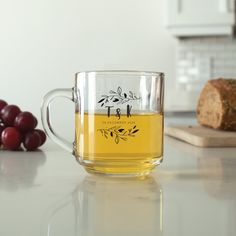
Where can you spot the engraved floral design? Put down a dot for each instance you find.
(118, 133)
(118, 97)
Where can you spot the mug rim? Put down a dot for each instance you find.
(127, 72)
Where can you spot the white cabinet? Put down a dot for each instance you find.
(200, 17)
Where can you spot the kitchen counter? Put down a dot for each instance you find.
(46, 193)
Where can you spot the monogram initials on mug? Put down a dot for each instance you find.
(118, 111)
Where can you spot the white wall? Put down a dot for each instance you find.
(43, 43)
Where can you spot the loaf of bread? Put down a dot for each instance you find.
(217, 104)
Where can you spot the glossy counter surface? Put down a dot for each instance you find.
(47, 193)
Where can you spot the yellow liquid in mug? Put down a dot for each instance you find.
(119, 146)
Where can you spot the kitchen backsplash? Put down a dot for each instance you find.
(200, 59)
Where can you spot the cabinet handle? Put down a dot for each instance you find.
(224, 6)
(231, 5)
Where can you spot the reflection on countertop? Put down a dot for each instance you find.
(192, 193)
(200, 189)
(108, 206)
(218, 171)
(18, 169)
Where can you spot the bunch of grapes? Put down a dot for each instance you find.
(18, 127)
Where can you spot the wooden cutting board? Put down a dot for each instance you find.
(202, 136)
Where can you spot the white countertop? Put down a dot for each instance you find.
(47, 193)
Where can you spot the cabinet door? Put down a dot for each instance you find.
(200, 12)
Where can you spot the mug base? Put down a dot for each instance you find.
(118, 170)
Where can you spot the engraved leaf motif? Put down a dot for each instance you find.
(135, 131)
(125, 139)
(118, 97)
(101, 100)
(117, 139)
(121, 130)
(119, 90)
(118, 133)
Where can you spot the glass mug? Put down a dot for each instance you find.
(118, 121)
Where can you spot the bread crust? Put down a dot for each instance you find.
(222, 113)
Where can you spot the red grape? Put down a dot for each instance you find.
(32, 140)
(43, 136)
(9, 113)
(2, 104)
(2, 127)
(25, 121)
(17, 126)
(35, 122)
(11, 138)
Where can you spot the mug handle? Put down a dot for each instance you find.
(45, 116)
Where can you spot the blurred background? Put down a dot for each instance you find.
(43, 43)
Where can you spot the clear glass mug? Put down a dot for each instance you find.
(118, 121)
